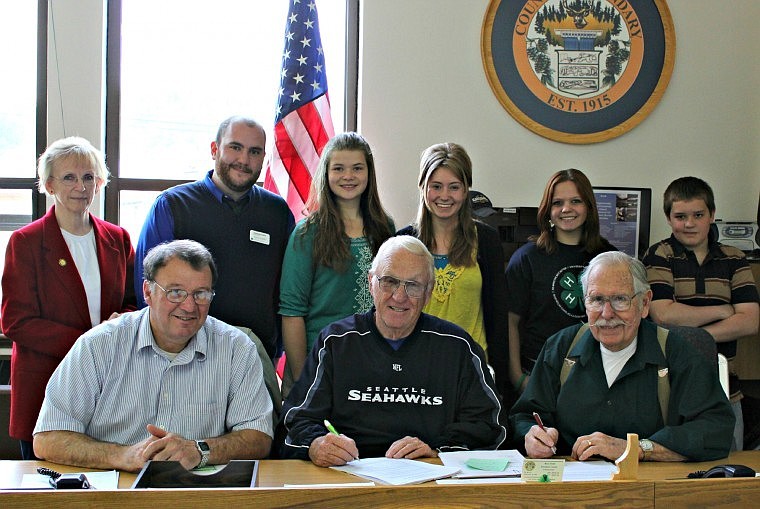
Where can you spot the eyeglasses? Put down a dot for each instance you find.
(178, 296)
(70, 180)
(618, 302)
(389, 284)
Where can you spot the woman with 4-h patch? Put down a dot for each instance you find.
(545, 292)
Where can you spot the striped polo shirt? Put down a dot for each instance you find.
(724, 277)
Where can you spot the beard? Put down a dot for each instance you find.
(223, 170)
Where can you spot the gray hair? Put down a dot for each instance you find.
(249, 122)
(611, 258)
(189, 251)
(410, 244)
(76, 149)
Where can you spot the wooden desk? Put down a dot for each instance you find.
(659, 485)
(673, 491)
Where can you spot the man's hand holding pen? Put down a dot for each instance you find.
(540, 441)
(332, 449)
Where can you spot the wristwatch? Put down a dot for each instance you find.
(647, 446)
(205, 451)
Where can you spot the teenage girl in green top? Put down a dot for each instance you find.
(324, 275)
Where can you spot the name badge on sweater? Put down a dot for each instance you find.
(260, 237)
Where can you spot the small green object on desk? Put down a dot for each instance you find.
(491, 465)
(544, 478)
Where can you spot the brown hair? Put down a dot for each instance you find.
(686, 189)
(455, 158)
(591, 239)
(227, 122)
(331, 245)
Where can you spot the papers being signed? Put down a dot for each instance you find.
(396, 471)
(469, 466)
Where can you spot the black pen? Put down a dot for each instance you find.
(540, 423)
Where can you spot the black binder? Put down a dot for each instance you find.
(171, 474)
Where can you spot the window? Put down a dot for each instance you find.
(18, 47)
(181, 70)
(22, 116)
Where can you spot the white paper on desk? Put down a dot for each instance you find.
(459, 459)
(99, 480)
(588, 471)
(396, 471)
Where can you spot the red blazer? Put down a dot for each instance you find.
(44, 306)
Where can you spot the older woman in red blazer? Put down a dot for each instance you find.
(64, 273)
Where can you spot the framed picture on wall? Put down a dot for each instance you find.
(578, 71)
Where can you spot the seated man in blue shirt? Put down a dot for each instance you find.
(165, 383)
(612, 386)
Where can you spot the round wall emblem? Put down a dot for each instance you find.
(578, 71)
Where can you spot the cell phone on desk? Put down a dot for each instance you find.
(723, 471)
(70, 482)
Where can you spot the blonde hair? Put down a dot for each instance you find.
(75, 149)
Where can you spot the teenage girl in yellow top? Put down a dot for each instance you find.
(469, 285)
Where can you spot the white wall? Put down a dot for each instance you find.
(422, 82)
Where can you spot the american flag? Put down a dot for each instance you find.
(303, 124)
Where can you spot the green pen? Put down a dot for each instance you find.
(331, 428)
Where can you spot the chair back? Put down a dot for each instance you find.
(270, 376)
(723, 373)
(700, 339)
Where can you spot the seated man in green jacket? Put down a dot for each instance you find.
(611, 388)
